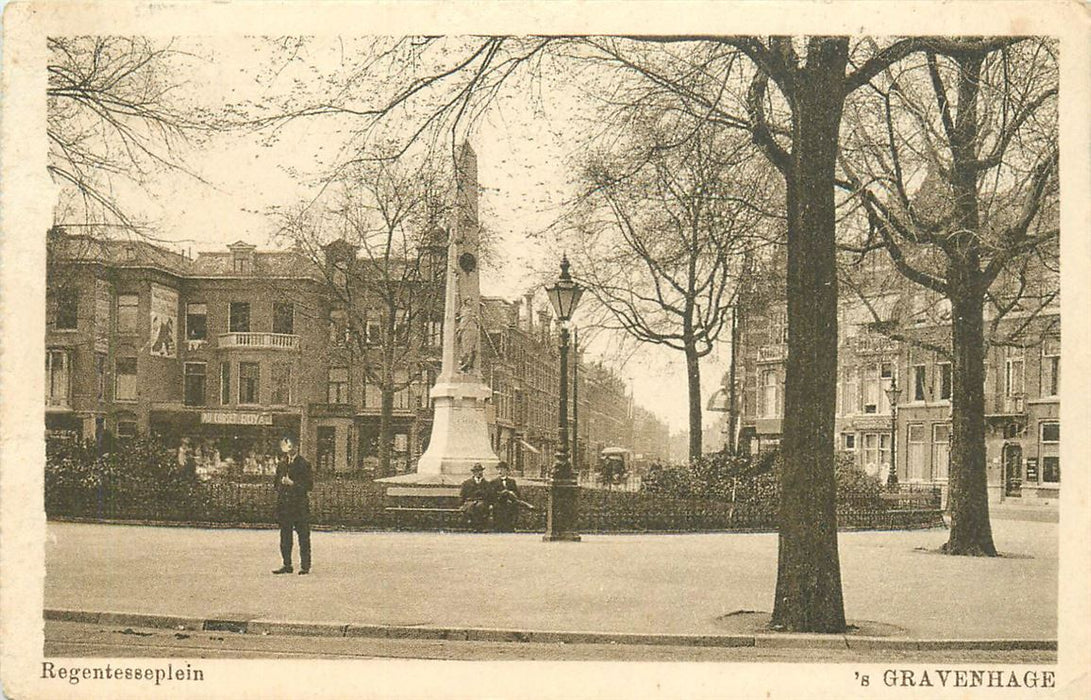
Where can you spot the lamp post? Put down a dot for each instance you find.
(892, 395)
(563, 491)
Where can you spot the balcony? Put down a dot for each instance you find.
(1001, 405)
(871, 344)
(772, 353)
(259, 341)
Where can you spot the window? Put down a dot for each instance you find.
(126, 429)
(57, 377)
(944, 380)
(851, 401)
(194, 384)
(876, 452)
(100, 376)
(339, 330)
(1049, 452)
(283, 318)
(373, 332)
(1013, 372)
(849, 441)
(241, 264)
(196, 322)
(282, 383)
(769, 393)
(126, 313)
(225, 383)
(67, 316)
(917, 452)
(249, 376)
(239, 317)
(1051, 367)
(401, 395)
(373, 398)
(876, 380)
(434, 333)
(125, 379)
(941, 450)
(920, 377)
(337, 385)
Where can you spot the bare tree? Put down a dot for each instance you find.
(113, 115)
(381, 251)
(973, 123)
(660, 236)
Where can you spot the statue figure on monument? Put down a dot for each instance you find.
(467, 336)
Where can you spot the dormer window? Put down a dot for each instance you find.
(242, 258)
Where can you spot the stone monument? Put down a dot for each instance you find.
(460, 433)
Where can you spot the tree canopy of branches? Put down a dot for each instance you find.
(112, 116)
(381, 250)
(972, 123)
(661, 236)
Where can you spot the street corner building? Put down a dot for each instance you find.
(223, 352)
(894, 335)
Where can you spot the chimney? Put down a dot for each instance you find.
(529, 303)
(544, 318)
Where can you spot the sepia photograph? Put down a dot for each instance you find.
(393, 348)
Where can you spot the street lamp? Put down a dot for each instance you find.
(563, 492)
(892, 395)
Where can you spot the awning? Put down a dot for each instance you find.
(529, 446)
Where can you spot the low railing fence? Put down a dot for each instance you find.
(360, 505)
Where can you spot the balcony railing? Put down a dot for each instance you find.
(271, 341)
(770, 353)
(1000, 404)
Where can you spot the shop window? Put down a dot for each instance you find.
(920, 377)
(58, 378)
(239, 317)
(225, 383)
(125, 379)
(194, 389)
(337, 386)
(282, 383)
(941, 450)
(100, 376)
(284, 318)
(249, 379)
(126, 312)
(945, 380)
(67, 313)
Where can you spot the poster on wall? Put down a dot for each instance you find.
(164, 322)
(103, 304)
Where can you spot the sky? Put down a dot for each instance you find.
(524, 175)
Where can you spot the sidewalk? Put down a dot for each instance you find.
(628, 586)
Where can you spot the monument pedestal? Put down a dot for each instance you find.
(460, 437)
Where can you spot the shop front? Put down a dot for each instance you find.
(226, 443)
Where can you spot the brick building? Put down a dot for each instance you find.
(1022, 384)
(231, 349)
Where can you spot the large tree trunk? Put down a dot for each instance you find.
(808, 592)
(968, 498)
(693, 381)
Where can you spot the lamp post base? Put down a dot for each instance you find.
(562, 513)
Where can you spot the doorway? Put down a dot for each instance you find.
(1013, 470)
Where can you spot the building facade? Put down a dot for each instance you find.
(1022, 388)
(227, 351)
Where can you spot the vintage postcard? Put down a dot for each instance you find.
(545, 350)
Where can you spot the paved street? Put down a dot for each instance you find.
(637, 583)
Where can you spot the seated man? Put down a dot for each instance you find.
(476, 497)
(506, 509)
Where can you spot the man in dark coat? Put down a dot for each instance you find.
(505, 510)
(476, 497)
(293, 481)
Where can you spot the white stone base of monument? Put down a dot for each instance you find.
(460, 436)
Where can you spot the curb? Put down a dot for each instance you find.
(486, 634)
